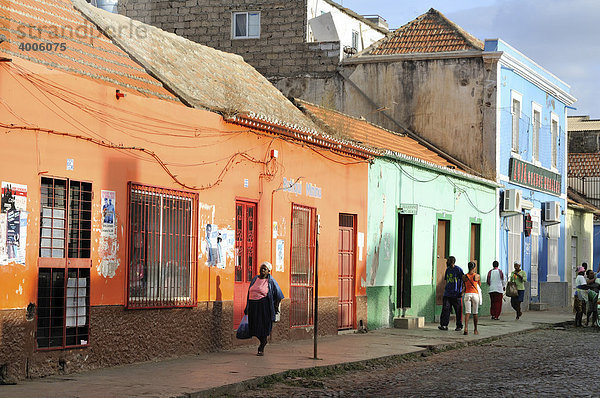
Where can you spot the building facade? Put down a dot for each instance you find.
(132, 222)
(484, 104)
(410, 232)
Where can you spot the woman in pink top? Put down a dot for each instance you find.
(264, 296)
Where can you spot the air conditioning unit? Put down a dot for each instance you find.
(552, 212)
(512, 201)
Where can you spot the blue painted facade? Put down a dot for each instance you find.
(520, 78)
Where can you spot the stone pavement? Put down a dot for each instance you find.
(234, 370)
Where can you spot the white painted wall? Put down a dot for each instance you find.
(344, 25)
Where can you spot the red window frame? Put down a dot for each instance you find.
(302, 265)
(162, 253)
(64, 264)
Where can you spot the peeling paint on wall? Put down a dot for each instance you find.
(377, 251)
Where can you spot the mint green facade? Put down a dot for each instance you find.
(404, 185)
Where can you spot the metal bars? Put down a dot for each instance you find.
(302, 265)
(162, 247)
(64, 273)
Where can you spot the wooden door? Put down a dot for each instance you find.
(245, 256)
(443, 236)
(346, 271)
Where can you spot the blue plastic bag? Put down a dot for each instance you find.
(243, 331)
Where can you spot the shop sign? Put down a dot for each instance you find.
(408, 208)
(533, 176)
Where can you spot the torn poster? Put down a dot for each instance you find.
(14, 197)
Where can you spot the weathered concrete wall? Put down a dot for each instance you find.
(281, 49)
(441, 100)
(451, 103)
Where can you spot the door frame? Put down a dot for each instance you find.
(235, 298)
(440, 217)
(476, 221)
(354, 235)
(396, 259)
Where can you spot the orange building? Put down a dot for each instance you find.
(139, 196)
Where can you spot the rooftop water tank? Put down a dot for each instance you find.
(107, 5)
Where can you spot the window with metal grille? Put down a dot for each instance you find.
(64, 261)
(302, 265)
(162, 247)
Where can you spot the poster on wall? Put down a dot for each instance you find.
(108, 201)
(14, 197)
(279, 257)
(3, 253)
(213, 242)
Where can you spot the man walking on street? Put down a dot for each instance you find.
(452, 294)
(495, 280)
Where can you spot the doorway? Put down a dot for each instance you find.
(475, 251)
(442, 253)
(245, 256)
(346, 271)
(404, 261)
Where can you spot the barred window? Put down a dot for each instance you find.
(302, 265)
(64, 273)
(162, 247)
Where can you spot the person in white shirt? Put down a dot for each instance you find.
(495, 280)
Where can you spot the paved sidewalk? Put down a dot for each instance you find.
(198, 375)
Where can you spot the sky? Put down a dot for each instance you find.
(562, 36)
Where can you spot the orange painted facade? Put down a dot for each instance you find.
(55, 116)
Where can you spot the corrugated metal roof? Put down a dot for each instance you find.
(201, 76)
(373, 136)
(431, 32)
(582, 123)
(584, 165)
(86, 52)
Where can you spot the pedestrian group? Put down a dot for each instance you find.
(466, 288)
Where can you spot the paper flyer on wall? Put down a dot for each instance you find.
(13, 237)
(280, 252)
(14, 197)
(108, 201)
(3, 253)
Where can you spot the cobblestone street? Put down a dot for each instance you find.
(538, 363)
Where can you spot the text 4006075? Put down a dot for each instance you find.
(43, 46)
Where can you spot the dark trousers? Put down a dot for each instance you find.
(448, 304)
(496, 304)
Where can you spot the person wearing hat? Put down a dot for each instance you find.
(581, 297)
(264, 296)
(519, 277)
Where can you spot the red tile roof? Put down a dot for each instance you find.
(431, 32)
(370, 135)
(87, 52)
(584, 165)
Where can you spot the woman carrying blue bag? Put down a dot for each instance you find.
(264, 296)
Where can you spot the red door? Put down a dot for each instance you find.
(346, 271)
(245, 256)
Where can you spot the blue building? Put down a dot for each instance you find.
(532, 165)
